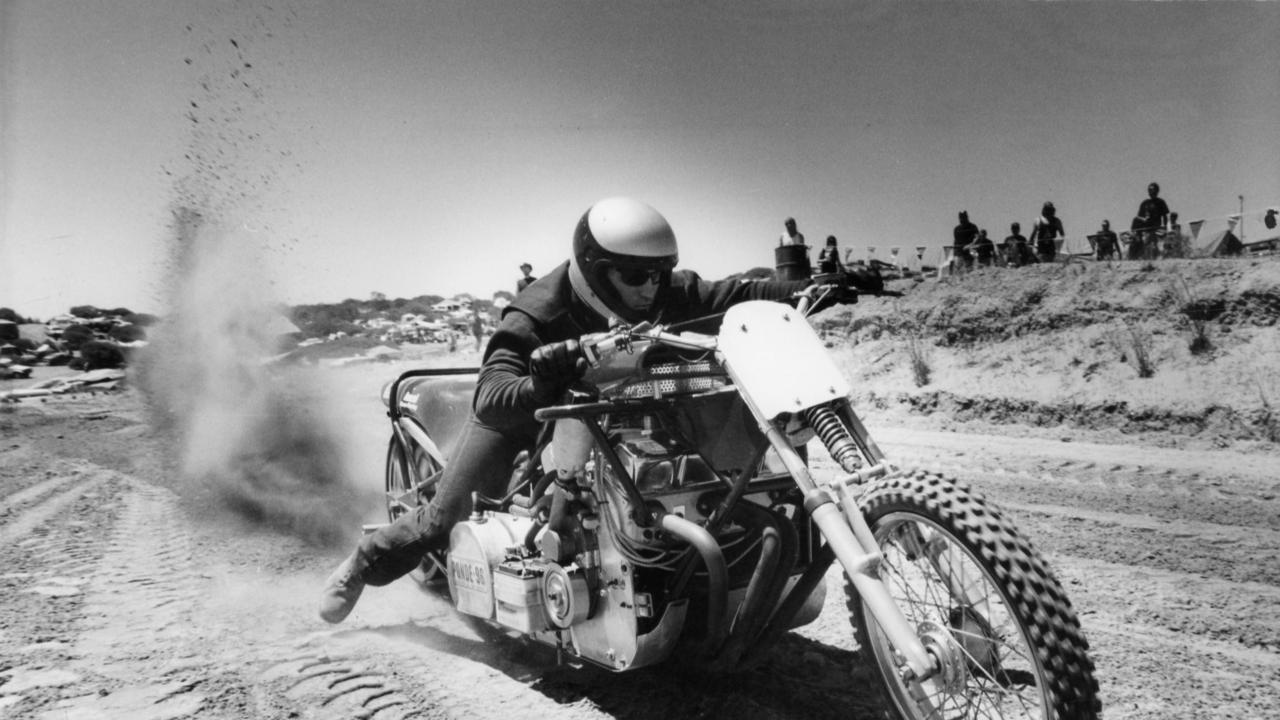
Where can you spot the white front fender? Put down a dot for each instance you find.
(777, 360)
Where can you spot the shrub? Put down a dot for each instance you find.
(97, 354)
(921, 372)
(86, 311)
(1197, 313)
(141, 319)
(128, 333)
(1140, 342)
(1270, 419)
(11, 316)
(76, 335)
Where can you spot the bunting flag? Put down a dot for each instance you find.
(1231, 222)
(871, 250)
(1195, 226)
(920, 251)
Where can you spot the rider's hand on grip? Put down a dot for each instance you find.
(553, 367)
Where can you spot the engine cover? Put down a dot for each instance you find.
(476, 548)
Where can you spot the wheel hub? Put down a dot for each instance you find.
(976, 640)
(942, 646)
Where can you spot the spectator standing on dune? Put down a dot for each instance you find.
(1045, 233)
(527, 271)
(1016, 251)
(984, 249)
(1105, 243)
(792, 236)
(962, 237)
(1154, 217)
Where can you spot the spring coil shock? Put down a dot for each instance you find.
(835, 436)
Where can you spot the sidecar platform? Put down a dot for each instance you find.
(436, 399)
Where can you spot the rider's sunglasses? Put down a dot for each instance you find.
(635, 277)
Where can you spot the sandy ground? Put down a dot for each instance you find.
(130, 594)
(145, 582)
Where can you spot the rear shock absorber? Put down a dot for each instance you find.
(834, 434)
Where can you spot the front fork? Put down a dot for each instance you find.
(855, 546)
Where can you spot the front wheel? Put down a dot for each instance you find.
(982, 601)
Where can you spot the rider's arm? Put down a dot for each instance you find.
(504, 393)
(701, 298)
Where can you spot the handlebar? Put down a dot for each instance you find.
(597, 346)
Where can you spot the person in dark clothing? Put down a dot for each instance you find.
(621, 270)
(829, 259)
(1154, 213)
(962, 237)
(1045, 233)
(1137, 240)
(1016, 251)
(526, 269)
(1105, 242)
(984, 250)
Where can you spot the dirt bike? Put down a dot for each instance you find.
(669, 512)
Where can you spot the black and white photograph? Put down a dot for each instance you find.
(639, 360)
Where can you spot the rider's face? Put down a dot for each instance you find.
(638, 298)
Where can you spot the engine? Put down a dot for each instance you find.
(591, 580)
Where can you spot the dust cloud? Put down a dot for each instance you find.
(261, 438)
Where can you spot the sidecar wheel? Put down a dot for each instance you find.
(423, 470)
(981, 599)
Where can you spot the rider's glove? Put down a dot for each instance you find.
(553, 367)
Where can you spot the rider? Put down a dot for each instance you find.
(622, 270)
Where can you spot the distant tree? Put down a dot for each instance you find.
(76, 335)
(503, 294)
(97, 354)
(24, 345)
(128, 333)
(120, 312)
(11, 316)
(380, 304)
(399, 302)
(416, 307)
(86, 311)
(141, 319)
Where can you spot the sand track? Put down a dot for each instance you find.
(128, 595)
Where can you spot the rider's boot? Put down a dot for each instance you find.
(343, 588)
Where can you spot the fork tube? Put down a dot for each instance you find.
(860, 566)
(859, 563)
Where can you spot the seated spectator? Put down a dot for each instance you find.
(829, 258)
(984, 249)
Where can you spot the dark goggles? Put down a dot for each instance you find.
(635, 276)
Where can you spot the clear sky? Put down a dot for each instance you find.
(430, 147)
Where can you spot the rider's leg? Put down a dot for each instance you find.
(482, 463)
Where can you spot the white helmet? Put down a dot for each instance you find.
(619, 233)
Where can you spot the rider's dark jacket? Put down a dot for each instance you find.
(549, 311)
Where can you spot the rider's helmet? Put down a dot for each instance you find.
(625, 234)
